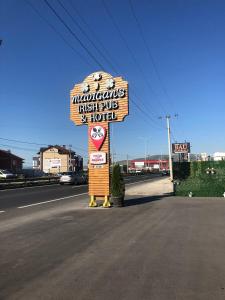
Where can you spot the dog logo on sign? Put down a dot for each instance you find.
(97, 135)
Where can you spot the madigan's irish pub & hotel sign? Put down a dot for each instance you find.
(99, 100)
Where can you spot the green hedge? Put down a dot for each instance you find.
(193, 178)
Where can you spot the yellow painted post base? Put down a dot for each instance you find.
(92, 202)
(106, 202)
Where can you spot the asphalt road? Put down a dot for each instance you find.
(152, 249)
(20, 197)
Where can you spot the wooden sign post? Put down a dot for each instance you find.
(99, 100)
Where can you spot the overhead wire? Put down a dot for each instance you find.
(172, 135)
(37, 144)
(77, 38)
(87, 36)
(58, 33)
(19, 148)
(81, 43)
(83, 31)
(106, 51)
(22, 142)
(149, 53)
(74, 34)
(128, 49)
(93, 34)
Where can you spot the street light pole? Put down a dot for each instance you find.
(169, 147)
(146, 145)
(169, 144)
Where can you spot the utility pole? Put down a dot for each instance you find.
(127, 165)
(169, 145)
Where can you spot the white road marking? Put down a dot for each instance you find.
(67, 197)
(2, 211)
(49, 201)
(77, 186)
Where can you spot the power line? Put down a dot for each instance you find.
(58, 33)
(82, 30)
(33, 143)
(22, 142)
(74, 34)
(144, 112)
(82, 19)
(46, 1)
(128, 48)
(96, 37)
(89, 53)
(87, 36)
(148, 51)
(19, 148)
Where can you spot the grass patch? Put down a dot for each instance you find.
(202, 186)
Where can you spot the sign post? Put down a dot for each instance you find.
(183, 149)
(99, 100)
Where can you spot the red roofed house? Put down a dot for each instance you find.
(9, 161)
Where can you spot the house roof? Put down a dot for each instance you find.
(8, 153)
(61, 149)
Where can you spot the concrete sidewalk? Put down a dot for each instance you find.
(152, 188)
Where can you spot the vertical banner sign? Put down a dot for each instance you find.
(99, 100)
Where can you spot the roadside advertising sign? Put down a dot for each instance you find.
(97, 101)
(139, 164)
(181, 148)
(55, 163)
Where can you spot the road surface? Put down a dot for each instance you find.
(155, 248)
(20, 197)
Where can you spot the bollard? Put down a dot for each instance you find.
(190, 194)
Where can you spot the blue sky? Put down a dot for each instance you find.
(38, 69)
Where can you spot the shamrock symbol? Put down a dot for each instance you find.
(110, 83)
(85, 87)
(97, 76)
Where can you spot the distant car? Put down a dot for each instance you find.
(139, 172)
(73, 178)
(165, 172)
(5, 174)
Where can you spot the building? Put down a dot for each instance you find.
(204, 156)
(149, 164)
(56, 159)
(11, 162)
(36, 162)
(219, 156)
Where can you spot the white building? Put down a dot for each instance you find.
(219, 156)
(204, 156)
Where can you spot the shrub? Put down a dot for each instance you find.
(117, 184)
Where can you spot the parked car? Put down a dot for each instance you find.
(73, 178)
(5, 174)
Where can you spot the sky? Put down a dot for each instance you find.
(172, 53)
